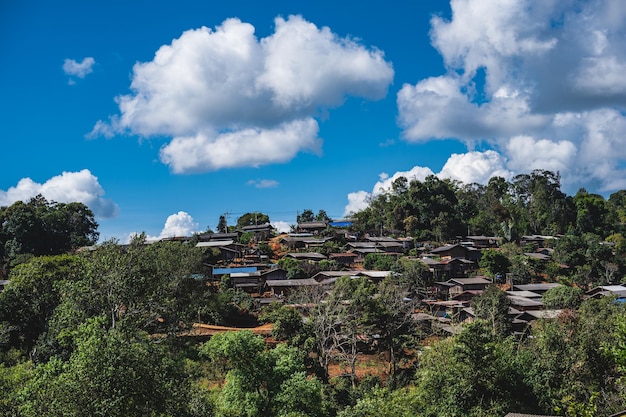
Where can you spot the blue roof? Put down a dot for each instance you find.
(244, 269)
(341, 224)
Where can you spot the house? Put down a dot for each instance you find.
(457, 267)
(260, 232)
(284, 287)
(524, 304)
(525, 294)
(375, 276)
(450, 251)
(538, 241)
(536, 288)
(344, 259)
(446, 309)
(254, 281)
(312, 227)
(539, 256)
(456, 286)
(249, 282)
(618, 291)
(3, 283)
(306, 256)
(386, 244)
(303, 242)
(483, 241)
(205, 237)
(229, 250)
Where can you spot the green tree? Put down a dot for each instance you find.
(252, 219)
(570, 367)
(563, 296)
(493, 307)
(28, 302)
(473, 374)
(392, 320)
(262, 381)
(592, 214)
(109, 373)
(306, 216)
(384, 402)
(379, 261)
(39, 227)
(222, 224)
(494, 262)
(287, 322)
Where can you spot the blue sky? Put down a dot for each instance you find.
(162, 116)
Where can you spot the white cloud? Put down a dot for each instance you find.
(246, 147)
(281, 226)
(263, 183)
(78, 69)
(475, 167)
(541, 82)
(527, 153)
(180, 224)
(81, 186)
(229, 99)
(357, 201)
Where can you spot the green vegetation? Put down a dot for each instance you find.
(113, 329)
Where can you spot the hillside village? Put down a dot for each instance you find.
(451, 274)
(376, 314)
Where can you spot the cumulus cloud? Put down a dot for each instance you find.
(78, 69)
(263, 183)
(281, 226)
(229, 99)
(542, 83)
(476, 167)
(179, 224)
(81, 186)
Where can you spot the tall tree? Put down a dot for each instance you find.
(260, 381)
(493, 307)
(32, 295)
(222, 225)
(592, 214)
(110, 373)
(306, 216)
(39, 227)
(252, 219)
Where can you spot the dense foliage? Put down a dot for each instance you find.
(108, 330)
(39, 227)
(436, 209)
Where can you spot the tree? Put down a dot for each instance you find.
(321, 216)
(494, 262)
(392, 320)
(570, 366)
(261, 381)
(28, 302)
(562, 296)
(109, 373)
(222, 225)
(592, 214)
(306, 216)
(384, 402)
(475, 373)
(287, 323)
(379, 261)
(252, 219)
(493, 307)
(39, 227)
